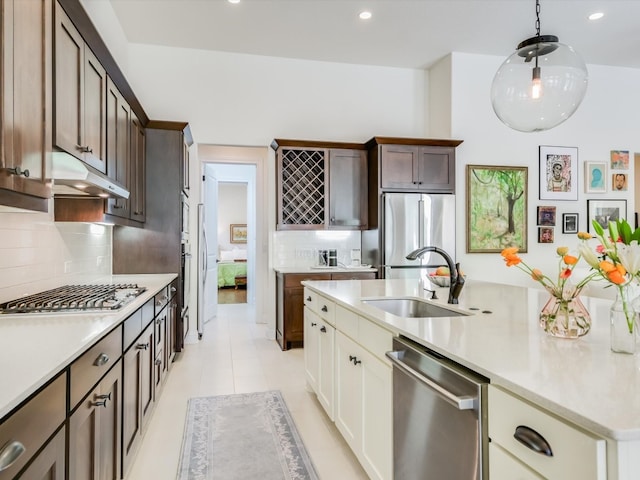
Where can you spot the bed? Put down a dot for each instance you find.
(228, 271)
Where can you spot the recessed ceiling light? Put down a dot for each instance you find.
(365, 15)
(596, 16)
(233, 1)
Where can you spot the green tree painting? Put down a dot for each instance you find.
(496, 208)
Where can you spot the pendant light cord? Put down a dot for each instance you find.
(538, 18)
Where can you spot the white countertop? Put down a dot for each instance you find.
(35, 347)
(310, 269)
(581, 380)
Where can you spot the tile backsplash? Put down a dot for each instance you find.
(37, 253)
(299, 248)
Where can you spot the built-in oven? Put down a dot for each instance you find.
(439, 416)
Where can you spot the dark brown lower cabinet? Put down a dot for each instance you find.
(50, 462)
(137, 401)
(95, 431)
(290, 303)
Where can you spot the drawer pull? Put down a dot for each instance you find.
(158, 362)
(323, 329)
(324, 308)
(101, 403)
(102, 359)
(308, 299)
(104, 396)
(142, 346)
(313, 324)
(533, 440)
(10, 453)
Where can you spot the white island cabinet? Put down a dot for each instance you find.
(577, 395)
(346, 368)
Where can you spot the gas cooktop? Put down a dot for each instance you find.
(75, 298)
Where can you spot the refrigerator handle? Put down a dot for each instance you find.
(421, 222)
(205, 252)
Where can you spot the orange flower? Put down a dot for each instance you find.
(584, 235)
(509, 251)
(606, 266)
(537, 275)
(512, 260)
(570, 259)
(616, 277)
(621, 269)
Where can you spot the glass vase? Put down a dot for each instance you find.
(564, 315)
(624, 322)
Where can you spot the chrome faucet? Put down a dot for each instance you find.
(456, 280)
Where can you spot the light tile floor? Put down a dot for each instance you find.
(234, 356)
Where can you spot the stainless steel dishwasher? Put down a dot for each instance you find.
(439, 416)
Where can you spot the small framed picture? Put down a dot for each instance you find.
(619, 182)
(545, 234)
(547, 216)
(558, 173)
(619, 159)
(595, 176)
(569, 223)
(605, 211)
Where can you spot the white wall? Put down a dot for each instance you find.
(232, 209)
(608, 119)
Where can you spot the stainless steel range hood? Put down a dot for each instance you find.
(72, 177)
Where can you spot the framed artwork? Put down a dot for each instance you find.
(569, 223)
(595, 176)
(619, 159)
(558, 173)
(547, 216)
(619, 182)
(545, 234)
(496, 208)
(238, 233)
(604, 211)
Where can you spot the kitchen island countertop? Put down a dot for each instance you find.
(311, 269)
(36, 347)
(581, 379)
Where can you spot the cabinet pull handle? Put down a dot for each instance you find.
(173, 289)
(142, 346)
(117, 206)
(101, 403)
(533, 440)
(102, 359)
(84, 149)
(354, 359)
(158, 362)
(324, 308)
(308, 299)
(323, 329)
(104, 396)
(313, 324)
(18, 171)
(10, 453)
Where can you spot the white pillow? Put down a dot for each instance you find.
(226, 256)
(239, 254)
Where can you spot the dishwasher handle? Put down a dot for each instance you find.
(461, 403)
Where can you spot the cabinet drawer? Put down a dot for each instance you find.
(161, 299)
(134, 325)
(347, 322)
(353, 276)
(294, 279)
(503, 466)
(93, 364)
(374, 338)
(576, 453)
(311, 300)
(32, 424)
(326, 309)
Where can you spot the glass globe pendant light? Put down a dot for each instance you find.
(540, 85)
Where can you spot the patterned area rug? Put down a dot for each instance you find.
(242, 436)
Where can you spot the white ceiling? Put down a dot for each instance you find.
(402, 33)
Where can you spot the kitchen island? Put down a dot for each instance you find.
(580, 381)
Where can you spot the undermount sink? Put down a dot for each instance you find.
(412, 307)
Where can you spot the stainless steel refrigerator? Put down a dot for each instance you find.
(408, 221)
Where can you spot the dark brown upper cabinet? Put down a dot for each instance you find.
(118, 147)
(321, 185)
(26, 105)
(80, 92)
